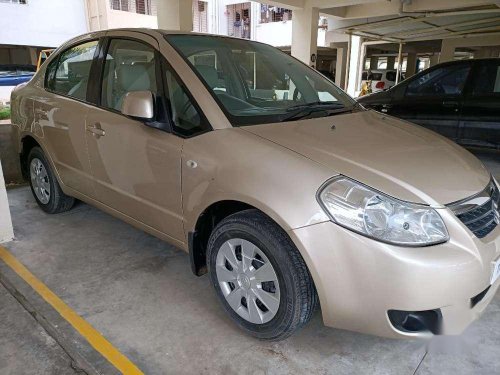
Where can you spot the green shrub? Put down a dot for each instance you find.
(4, 113)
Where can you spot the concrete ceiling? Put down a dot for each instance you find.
(407, 20)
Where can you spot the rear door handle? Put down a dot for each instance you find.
(450, 103)
(96, 130)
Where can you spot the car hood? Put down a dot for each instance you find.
(398, 158)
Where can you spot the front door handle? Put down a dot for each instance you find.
(96, 130)
(385, 108)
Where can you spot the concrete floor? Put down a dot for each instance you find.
(25, 347)
(140, 293)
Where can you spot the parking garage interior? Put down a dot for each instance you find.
(85, 292)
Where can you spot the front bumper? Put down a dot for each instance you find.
(359, 279)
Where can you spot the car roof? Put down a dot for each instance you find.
(149, 31)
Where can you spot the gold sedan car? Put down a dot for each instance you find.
(278, 184)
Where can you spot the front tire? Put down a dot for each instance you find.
(44, 186)
(259, 276)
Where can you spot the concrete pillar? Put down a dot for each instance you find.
(433, 60)
(6, 231)
(355, 61)
(391, 60)
(373, 62)
(340, 67)
(447, 50)
(411, 64)
(175, 15)
(305, 33)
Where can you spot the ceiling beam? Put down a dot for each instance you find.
(437, 28)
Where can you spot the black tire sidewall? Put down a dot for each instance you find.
(37, 153)
(274, 251)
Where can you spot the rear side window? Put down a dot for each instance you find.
(487, 79)
(69, 73)
(448, 80)
(390, 76)
(130, 66)
(375, 76)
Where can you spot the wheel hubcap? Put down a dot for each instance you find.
(40, 180)
(248, 281)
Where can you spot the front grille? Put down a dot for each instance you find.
(480, 213)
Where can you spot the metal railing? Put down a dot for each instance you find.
(14, 1)
(271, 13)
(147, 7)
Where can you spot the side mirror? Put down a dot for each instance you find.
(138, 104)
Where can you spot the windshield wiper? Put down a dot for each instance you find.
(321, 105)
(305, 110)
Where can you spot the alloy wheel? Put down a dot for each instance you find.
(40, 180)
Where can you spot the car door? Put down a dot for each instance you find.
(480, 118)
(434, 99)
(59, 114)
(136, 168)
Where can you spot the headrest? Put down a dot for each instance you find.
(209, 74)
(134, 77)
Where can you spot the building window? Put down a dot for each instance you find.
(271, 13)
(14, 1)
(135, 6)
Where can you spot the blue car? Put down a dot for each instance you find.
(14, 74)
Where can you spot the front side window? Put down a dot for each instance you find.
(448, 80)
(187, 119)
(129, 66)
(256, 83)
(69, 74)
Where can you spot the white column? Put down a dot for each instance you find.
(6, 231)
(355, 57)
(340, 67)
(305, 33)
(175, 15)
(400, 62)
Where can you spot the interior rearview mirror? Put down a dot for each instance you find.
(138, 104)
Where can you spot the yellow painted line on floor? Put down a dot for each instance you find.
(98, 342)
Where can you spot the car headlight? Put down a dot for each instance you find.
(373, 214)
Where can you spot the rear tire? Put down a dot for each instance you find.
(259, 276)
(44, 186)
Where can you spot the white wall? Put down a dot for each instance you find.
(118, 18)
(45, 23)
(6, 232)
(279, 34)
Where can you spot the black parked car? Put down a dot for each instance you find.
(458, 99)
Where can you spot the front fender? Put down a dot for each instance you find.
(235, 165)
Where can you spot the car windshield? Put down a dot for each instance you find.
(255, 83)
